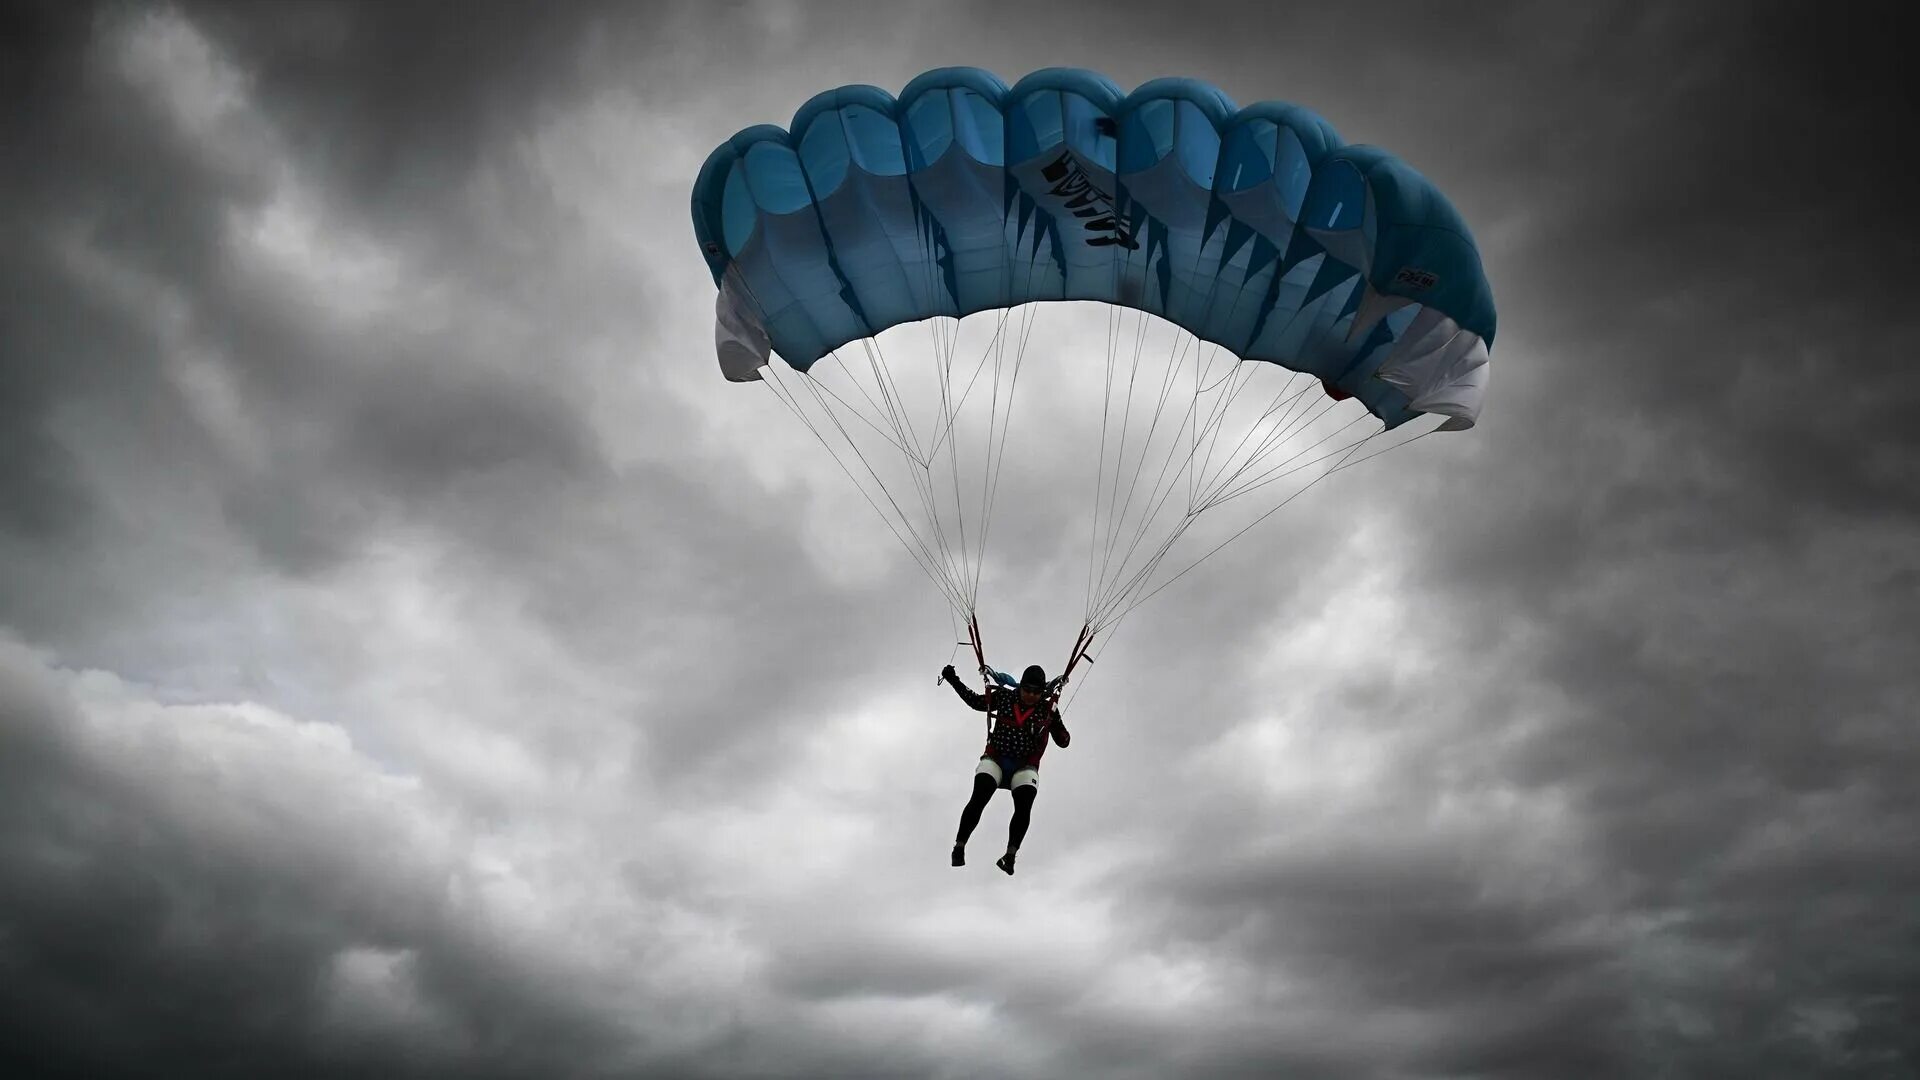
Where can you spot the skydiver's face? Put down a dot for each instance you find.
(1029, 697)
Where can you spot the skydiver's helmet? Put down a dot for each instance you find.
(1034, 679)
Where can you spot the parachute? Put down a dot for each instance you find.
(1254, 231)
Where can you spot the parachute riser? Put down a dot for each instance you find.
(980, 658)
(979, 653)
(1081, 643)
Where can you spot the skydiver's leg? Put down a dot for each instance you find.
(1023, 796)
(985, 782)
(983, 789)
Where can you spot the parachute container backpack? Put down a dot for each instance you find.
(1319, 300)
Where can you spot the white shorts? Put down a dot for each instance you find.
(1027, 777)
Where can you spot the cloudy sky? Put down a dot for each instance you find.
(416, 661)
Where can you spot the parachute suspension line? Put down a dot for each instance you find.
(1157, 498)
(1285, 402)
(902, 423)
(921, 483)
(917, 548)
(1206, 435)
(944, 576)
(996, 348)
(946, 346)
(1114, 317)
(1114, 513)
(1387, 449)
(1279, 471)
(1203, 371)
(938, 552)
(1288, 426)
(945, 369)
(947, 577)
(1349, 450)
(1236, 381)
(986, 354)
(890, 394)
(996, 450)
(1347, 461)
(945, 343)
(922, 479)
(1285, 468)
(990, 472)
(945, 340)
(1100, 462)
(997, 421)
(899, 437)
(1121, 589)
(1115, 583)
(1140, 579)
(1111, 504)
(1200, 482)
(1116, 510)
(1216, 421)
(1176, 355)
(998, 456)
(1153, 506)
(818, 387)
(999, 352)
(1193, 448)
(854, 410)
(1094, 623)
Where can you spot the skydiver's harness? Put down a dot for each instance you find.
(992, 677)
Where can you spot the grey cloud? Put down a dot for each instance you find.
(149, 927)
(1670, 575)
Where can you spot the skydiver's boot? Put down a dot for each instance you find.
(959, 854)
(1005, 862)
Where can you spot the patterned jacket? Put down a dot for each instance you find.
(1019, 734)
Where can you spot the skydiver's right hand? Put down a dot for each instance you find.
(948, 673)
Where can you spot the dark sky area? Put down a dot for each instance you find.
(416, 661)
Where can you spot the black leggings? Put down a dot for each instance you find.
(983, 788)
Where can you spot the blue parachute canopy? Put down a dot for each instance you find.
(1253, 228)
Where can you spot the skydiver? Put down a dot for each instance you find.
(1022, 721)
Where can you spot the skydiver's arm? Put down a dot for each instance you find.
(977, 702)
(1058, 729)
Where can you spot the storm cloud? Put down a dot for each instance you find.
(415, 660)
